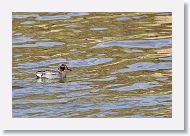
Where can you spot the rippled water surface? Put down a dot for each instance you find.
(121, 65)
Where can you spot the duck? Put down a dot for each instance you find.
(49, 74)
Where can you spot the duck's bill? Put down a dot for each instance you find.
(69, 69)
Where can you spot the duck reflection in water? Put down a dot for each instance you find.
(56, 80)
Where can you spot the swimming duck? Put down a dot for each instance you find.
(61, 73)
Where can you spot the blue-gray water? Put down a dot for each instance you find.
(121, 65)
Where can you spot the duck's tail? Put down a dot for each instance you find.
(39, 74)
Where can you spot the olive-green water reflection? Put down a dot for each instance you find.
(121, 64)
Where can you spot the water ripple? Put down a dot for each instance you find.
(60, 17)
(104, 79)
(98, 29)
(150, 66)
(52, 17)
(143, 85)
(122, 18)
(71, 63)
(136, 43)
(22, 16)
(168, 58)
(46, 88)
(127, 103)
(22, 39)
(40, 44)
(41, 63)
(28, 22)
(88, 62)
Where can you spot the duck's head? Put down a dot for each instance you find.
(63, 67)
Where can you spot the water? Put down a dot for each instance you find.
(38, 44)
(136, 43)
(98, 29)
(121, 65)
(27, 22)
(148, 66)
(122, 18)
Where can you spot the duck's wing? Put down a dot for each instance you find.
(51, 72)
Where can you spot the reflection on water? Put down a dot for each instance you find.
(168, 58)
(104, 79)
(22, 39)
(136, 43)
(134, 51)
(71, 63)
(136, 86)
(162, 78)
(121, 65)
(77, 31)
(38, 44)
(28, 22)
(146, 66)
(98, 29)
(41, 63)
(49, 17)
(22, 16)
(122, 18)
(137, 17)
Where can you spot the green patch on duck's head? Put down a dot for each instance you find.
(62, 65)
